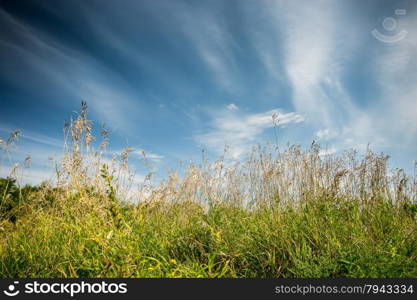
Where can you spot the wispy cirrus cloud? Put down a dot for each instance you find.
(214, 45)
(66, 69)
(317, 46)
(33, 137)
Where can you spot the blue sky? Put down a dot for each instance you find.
(174, 77)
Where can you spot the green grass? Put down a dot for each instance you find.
(294, 213)
(323, 238)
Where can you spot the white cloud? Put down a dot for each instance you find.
(138, 152)
(232, 106)
(239, 130)
(326, 134)
(328, 151)
(317, 45)
(155, 156)
(150, 155)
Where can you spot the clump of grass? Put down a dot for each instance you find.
(291, 213)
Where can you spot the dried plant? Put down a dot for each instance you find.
(272, 213)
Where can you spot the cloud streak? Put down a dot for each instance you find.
(240, 131)
(76, 74)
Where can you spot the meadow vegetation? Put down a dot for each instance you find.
(277, 213)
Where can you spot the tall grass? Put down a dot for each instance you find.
(290, 213)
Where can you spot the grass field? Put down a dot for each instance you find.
(279, 213)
